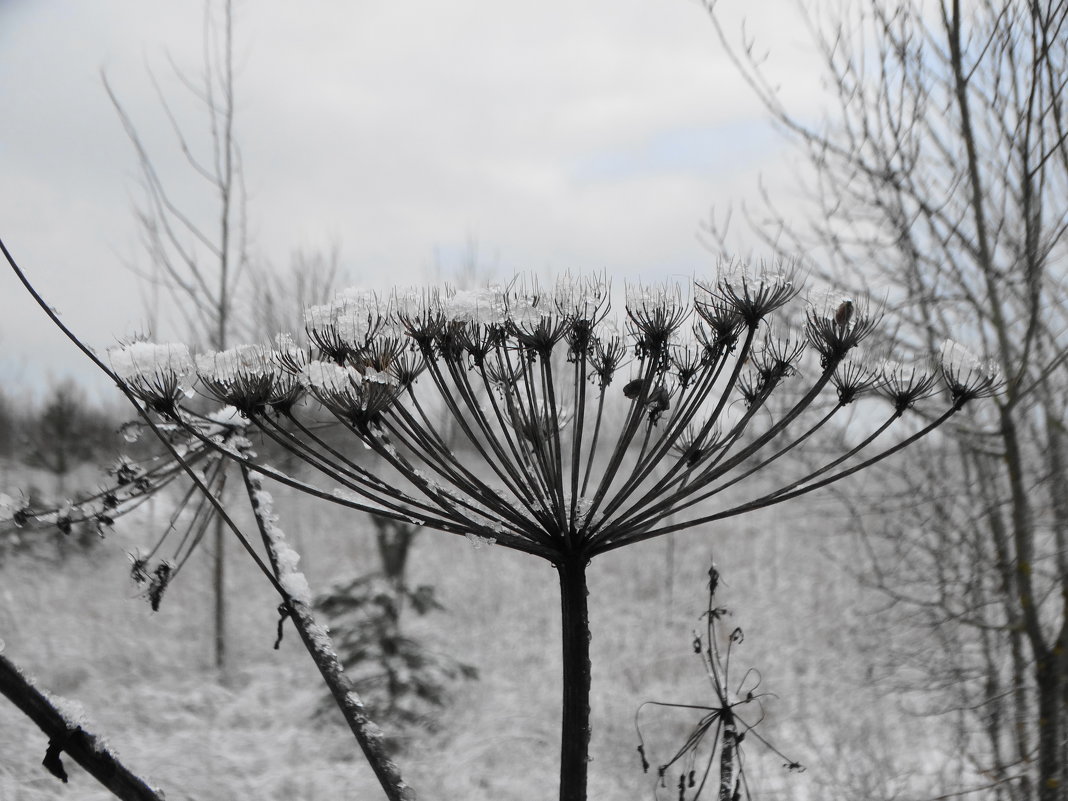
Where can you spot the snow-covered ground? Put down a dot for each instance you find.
(145, 681)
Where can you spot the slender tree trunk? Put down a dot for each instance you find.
(218, 590)
(225, 143)
(1022, 712)
(1050, 689)
(575, 728)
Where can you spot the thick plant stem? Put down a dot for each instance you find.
(66, 737)
(320, 647)
(575, 728)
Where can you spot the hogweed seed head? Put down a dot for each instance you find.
(522, 375)
(753, 294)
(855, 375)
(837, 323)
(906, 384)
(243, 377)
(776, 358)
(605, 357)
(966, 375)
(535, 323)
(485, 306)
(349, 324)
(359, 397)
(655, 314)
(157, 374)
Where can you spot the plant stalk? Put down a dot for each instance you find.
(65, 737)
(727, 759)
(575, 634)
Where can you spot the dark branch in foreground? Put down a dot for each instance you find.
(63, 736)
(317, 641)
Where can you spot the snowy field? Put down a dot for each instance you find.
(144, 679)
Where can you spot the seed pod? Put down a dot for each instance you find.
(632, 389)
(844, 314)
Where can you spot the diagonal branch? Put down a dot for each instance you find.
(320, 647)
(64, 736)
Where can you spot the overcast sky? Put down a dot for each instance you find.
(557, 135)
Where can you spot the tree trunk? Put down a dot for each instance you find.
(1049, 689)
(218, 592)
(575, 728)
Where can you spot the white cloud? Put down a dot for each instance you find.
(557, 135)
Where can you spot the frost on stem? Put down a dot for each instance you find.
(65, 724)
(286, 559)
(477, 542)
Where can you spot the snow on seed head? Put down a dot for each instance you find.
(147, 360)
(329, 377)
(483, 306)
(235, 363)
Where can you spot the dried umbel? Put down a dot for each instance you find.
(528, 378)
(966, 375)
(158, 374)
(570, 435)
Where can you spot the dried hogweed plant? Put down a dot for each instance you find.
(572, 436)
(736, 713)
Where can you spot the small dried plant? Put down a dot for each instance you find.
(734, 715)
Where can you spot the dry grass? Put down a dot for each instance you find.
(144, 679)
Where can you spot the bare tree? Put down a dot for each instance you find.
(942, 173)
(279, 299)
(198, 255)
(8, 426)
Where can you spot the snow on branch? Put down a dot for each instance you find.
(317, 641)
(67, 734)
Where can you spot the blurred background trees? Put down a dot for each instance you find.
(45, 447)
(198, 251)
(65, 432)
(940, 178)
(7, 426)
(202, 278)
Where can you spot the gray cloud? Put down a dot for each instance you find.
(559, 136)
